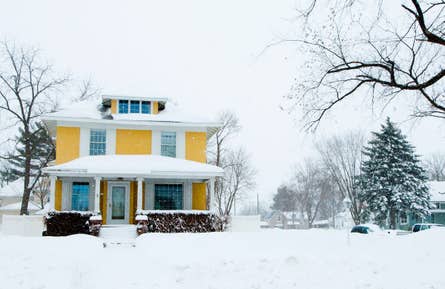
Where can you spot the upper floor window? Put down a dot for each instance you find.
(98, 141)
(123, 106)
(168, 144)
(80, 196)
(135, 106)
(146, 107)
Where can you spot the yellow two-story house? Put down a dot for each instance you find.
(124, 154)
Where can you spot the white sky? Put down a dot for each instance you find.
(201, 53)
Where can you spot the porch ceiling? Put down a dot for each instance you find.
(151, 166)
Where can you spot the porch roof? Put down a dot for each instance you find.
(152, 166)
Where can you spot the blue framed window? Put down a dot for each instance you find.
(146, 107)
(135, 106)
(80, 196)
(168, 144)
(168, 196)
(123, 106)
(98, 142)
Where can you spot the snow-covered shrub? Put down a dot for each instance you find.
(64, 223)
(182, 222)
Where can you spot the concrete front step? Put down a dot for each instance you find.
(118, 232)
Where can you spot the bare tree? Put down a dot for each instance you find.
(379, 55)
(342, 157)
(87, 90)
(218, 145)
(312, 186)
(238, 179)
(435, 166)
(41, 191)
(27, 89)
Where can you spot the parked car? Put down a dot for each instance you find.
(425, 226)
(366, 229)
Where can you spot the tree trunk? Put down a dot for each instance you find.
(27, 174)
(392, 219)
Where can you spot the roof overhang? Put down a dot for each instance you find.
(134, 166)
(51, 123)
(133, 97)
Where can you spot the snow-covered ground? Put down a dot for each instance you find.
(267, 259)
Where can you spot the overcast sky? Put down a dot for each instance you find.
(205, 55)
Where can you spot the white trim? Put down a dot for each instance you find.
(139, 195)
(156, 142)
(85, 134)
(111, 141)
(211, 194)
(74, 121)
(127, 202)
(97, 195)
(133, 97)
(52, 194)
(180, 144)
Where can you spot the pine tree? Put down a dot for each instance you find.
(392, 179)
(42, 152)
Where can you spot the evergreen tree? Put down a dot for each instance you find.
(285, 199)
(392, 179)
(42, 152)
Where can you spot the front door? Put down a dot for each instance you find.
(118, 203)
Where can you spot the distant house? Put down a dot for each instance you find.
(437, 213)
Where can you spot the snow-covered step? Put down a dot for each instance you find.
(118, 232)
(111, 244)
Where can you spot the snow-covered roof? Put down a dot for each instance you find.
(13, 189)
(90, 110)
(17, 206)
(135, 166)
(133, 97)
(437, 191)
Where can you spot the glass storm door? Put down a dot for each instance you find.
(118, 204)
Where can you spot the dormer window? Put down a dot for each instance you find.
(134, 106)
(123, 106)
(145, 107)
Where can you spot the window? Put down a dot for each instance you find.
(168, 197)
(123, 106)
(135, 106)
(98, 140)
(168, 144)
(146, 107)
(403, 218)
(79, 197)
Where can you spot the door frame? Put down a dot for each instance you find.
(127, 202)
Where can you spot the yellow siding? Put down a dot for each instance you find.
(67, 144)
(195, 146)
(103, 200)
(113, 106)
(58, 200)
(199, 201)
(133, 142)
(155, 109)
(133, 201)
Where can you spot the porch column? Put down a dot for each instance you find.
(139, 199)
(52, 192)
(212, 194)
(97, 195)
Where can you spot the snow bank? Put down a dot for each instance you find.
(244, 223)
(22, 225)
(309, 259)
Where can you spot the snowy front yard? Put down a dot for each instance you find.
(267, 259)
